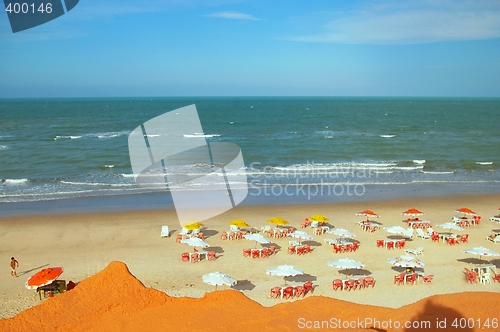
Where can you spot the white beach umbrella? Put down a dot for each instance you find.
(284, 271)
(301, 235)
(218, 279)
(481, 251)
(346, 263)
(195, 242)
(257, 238)
(450, 225)
(341, 232)
(406, 261)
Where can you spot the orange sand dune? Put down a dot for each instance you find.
(114, 300)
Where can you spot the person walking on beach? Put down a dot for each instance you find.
(13, 264)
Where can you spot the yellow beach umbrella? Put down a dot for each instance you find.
(278, 221)
(193, 225)
(238, 223)
(319, 218)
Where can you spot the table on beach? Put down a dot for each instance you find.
(445, 236)
(483, 272)
(201, 254)
(368, 225)
(419, 223)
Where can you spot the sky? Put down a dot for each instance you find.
(132, 48)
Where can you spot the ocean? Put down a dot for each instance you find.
(52, 149)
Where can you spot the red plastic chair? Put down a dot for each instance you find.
(300, 290)
(291, 250)
(435, 237)
(201, 236)
(272, 250)
(336, 249)
(337, 284)
(264, 252)
(178, 238)
(238, 236)
(301, 250)
(399, 279)
(223, 236)
(496, 278)
(185, 257)
(369, 281)
(308, 286)
(303, 224)
(471, 276)
(359, 283)
(350, 284)
(255, 253)
(231, 236)
(380, 243)
(319, 231)
(428, 279)
(275, 292)
(270, 233)
(247, 252)
(195, 257)
(288, 292)
(355, 246)
(451, 241)
(211, 256)
(464, 238)
(307, 249)
(390, 245)
(411, 278)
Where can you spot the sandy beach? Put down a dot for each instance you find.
(85, 244)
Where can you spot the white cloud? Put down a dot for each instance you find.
(234, 16)
(412, 23)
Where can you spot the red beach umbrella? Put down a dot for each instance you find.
(465, 211)
(413, 212)
(367, 214)
(44, 277)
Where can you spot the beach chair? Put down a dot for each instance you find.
(288, 292)
(428, 279)
(223, 236)
(308, 286)
(350, 284)
(337, 248)
(201, 236)
(307, 249)
(470, 276)
(380, 243)
(185, 257)
(300, 290)
(264, 253)
(495, 219)
(164, 231)
(420, 233)
(399, 279)
(496, 277)
(255, 253)
(369, 281)
(337, 284)
(272, 250)
(275, 292)
(390, 245)
(430, 231)
(451, 241)
(411, 278)
(416, 252)
(408, 234)
(265, 228)
(359, 283)
(400, 244)
(247, 252)
(291, 250)
(211, 256)
(493, 238)
(435, 237)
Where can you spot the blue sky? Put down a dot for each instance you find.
(257, 48)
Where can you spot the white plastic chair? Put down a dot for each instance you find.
(421, 234)
(164, 231)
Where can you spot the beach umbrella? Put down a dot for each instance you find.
(257, 238)
(346, 263)
(481, 251)
(466, 211)
(301, 235)
(218, 279)
(44, 277)
(195, 242)
(319, 218)
(238, 223)
(412, 212)
(278, 221)
(406, 261)
(341, 232)
(450, 225)
(192, 226)
(395, 230)
(367, 214)
(284, 271)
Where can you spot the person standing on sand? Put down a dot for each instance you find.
(14, 264)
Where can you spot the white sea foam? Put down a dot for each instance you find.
(109, 166)
(387, 136)
(419, 161)
(67, 137)
(198, 135)
(438, 172)
(98, 184)
(15, 181)
(484, 162)
(3, 147)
